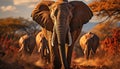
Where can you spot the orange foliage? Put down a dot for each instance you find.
(106, 7)
(8, 45)
(112, 44)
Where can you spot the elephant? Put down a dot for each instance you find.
(42, 47)
(27, 44)
(89, 44)
(62, 22)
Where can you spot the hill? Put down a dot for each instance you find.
(17, 26)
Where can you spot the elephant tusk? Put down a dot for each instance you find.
(53, 38)
(70, 38)
(52, 41)
(21, 48)
(47, 51)
(39, 49)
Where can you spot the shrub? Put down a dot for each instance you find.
(112, 43)
(8, 45)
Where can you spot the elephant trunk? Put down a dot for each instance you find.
(61, 37)
(60, 31)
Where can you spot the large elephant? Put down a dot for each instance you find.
(27, 44)
(42, 47)
(89, 43)
(62, 22)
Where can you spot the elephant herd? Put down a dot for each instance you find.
(89, 43)
(62, 21)
(28, 43)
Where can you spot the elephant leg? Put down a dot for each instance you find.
(45, 57)
(50, 47)
(57, 59)
(42, 52)
(48, 54)
(93, 50)
(69, 54)
(87, 52)
(75, 35)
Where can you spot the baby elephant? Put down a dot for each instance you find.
(27, 44)
(89, 43)
(42, 47)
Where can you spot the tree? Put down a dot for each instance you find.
(109, 8)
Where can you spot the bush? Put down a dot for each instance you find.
(112, 43)
(9, 45)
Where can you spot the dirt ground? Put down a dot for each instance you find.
(34, 62)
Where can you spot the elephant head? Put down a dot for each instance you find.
(89, 43)
(27, 44)
(62, 18)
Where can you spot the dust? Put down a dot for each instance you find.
(100, 61)
(93, 62)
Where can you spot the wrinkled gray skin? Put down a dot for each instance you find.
(89, 43)
(27, 44)
(62, 21)
(42, 47)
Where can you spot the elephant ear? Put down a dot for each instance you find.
(41, 14)
(81, 14)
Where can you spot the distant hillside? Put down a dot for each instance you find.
(17, 26)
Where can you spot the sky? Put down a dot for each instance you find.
(20, 8)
